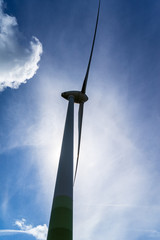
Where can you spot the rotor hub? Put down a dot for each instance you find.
(79, 97)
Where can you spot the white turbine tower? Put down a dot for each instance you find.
(61, 219)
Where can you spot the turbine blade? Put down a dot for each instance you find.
(80, 118)
(90, 58)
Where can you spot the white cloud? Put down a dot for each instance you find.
(39, 232)
(18, 62)
(22, 224)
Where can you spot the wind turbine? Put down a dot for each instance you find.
(61, 219)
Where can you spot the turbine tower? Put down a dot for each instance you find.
(61, 219)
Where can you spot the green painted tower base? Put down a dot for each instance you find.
(61, 219)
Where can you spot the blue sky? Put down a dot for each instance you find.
(44, 50)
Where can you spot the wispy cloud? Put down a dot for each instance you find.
(150, 232)
(39, 232)
(18, 60)
(115, 178)
(116, 188)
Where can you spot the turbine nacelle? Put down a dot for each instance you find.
(79, 97)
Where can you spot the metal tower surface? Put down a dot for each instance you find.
(60, 226)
